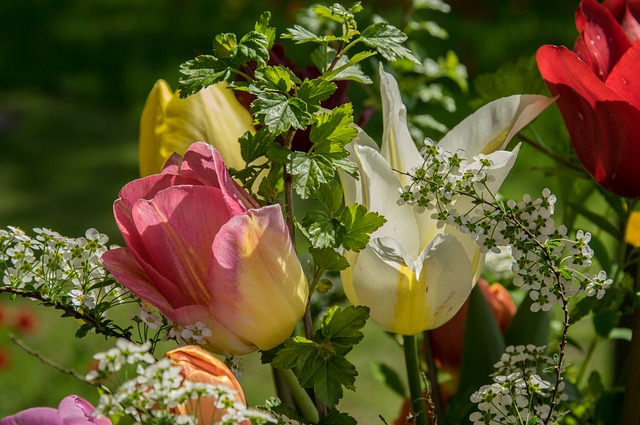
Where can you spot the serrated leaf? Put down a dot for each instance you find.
(223, 44)
(328, 259)
(253, 146)
(315, 91)
(322, 230)
(330, 195)
(276, 78)
(343, 326)
(262, 26)
(201, 72)
(359, 224)
(252, 47)
(333, 13)
(272, 185)
(348, 68)
(296, 352)
(337, 418)
(333, 130)
(280, 113)
(387, 39)
(330, 375)
(309, 171)
(302, 35)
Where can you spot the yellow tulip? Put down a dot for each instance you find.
(170, 125)
(632, 235)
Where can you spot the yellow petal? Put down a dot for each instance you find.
(151, 127)
(632, 235)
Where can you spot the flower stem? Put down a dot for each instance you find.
(631, 407)
(432, 375)
(301, 397)
(550, 153)
(414, 376)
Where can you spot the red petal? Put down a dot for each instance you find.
(625, 77)
(602, 42)
(603, 126)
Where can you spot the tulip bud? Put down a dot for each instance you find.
(170, 125)
(200, 366)
(202, 251)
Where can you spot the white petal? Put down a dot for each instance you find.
(491, 127)
(377, 189)
(397, 147)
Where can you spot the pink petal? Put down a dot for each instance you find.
(602, 41)
(34, 416)
(74, 410)
(121, 263)
(203, 162)
(627, 12)
(178, 227)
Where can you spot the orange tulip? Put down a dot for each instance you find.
(199, 365)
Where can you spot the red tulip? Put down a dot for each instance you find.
(598, 85)
(447, 340)
(202, 251)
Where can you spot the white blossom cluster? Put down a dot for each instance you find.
(158, 393)
(519, 394)
(547, 263)
(58, 268)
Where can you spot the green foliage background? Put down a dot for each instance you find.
(75, 75)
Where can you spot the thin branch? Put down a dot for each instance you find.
(550, 153)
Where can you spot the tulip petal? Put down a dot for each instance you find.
(397, 147)
(183, 220)
(377, 189)
(491, 127)
(351, 187)
(35, 415)
(605, 146)
(602, 41)
(203, 162)
(409, 297)
(122, 264)
(255, 247)
(74, 410)
(152, 124)
(625, 78)
(213, 115)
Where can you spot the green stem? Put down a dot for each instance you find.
(304, 403)
(414, 378)
(631, 407)
(550, 154)
(432, 375)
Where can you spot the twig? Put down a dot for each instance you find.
(550, 154)
(50, 362)
(432, 375)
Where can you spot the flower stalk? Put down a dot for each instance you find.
(413, 376)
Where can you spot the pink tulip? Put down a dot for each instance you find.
(72, 410)
(200, 249)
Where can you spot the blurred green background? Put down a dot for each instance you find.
(74, 77)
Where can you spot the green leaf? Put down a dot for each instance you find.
(333, 130)
(337, 418)
(483, 345)
(598, 220)
(296, 352)
(254, 146)
(275, 78)
(262, 26)
(315, 91)
(330, 195)
(327, 259)
(254, 46)
(279, 112)
(302, 35)
(390, 378)
(348, 68)
(322, 230)
(272, 185)
(343, 326)
(223, 44)
(359, 224)
(201, 72)
(528, 327)
(329, 376)
(309, 171)
(387, 39)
